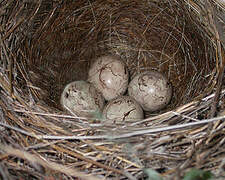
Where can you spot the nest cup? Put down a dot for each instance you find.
(47, 44)
(146, 35)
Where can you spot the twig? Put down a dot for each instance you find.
(41, 145)
(9, 67)
(219, 55)
(54, 166)
(113, 137)
(9, 32)
(16, 129)
(79, 156)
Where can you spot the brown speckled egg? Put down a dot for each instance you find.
(123, 109)
(151, 90)
(82, 99)
(110, 76)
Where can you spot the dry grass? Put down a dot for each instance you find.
(44, 45)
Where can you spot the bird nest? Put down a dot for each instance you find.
(47, 44)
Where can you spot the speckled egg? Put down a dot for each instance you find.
(123, 108)
(110, 76)
(82, 99)
(151, 90)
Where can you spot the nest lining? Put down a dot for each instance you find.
(145, 38)
(56, 42)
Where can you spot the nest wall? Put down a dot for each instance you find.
(47, 44)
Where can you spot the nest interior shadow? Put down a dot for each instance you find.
(145, 34)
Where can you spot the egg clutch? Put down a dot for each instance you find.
(108, 80)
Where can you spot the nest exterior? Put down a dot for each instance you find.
(47, 44)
